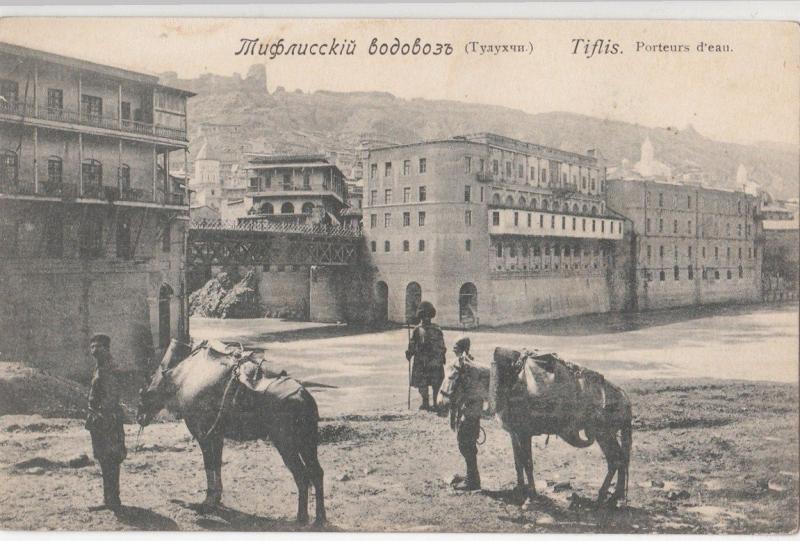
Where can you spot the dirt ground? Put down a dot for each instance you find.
(709, 456)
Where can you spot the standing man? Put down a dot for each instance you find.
(427, 348)
(104, 422)
(468, 419)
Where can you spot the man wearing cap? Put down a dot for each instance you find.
(468, 419)
(105, 418)
(426, 347)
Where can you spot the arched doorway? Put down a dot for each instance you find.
(468, 305)
(165, 294)
(381, 302)
(413, 298)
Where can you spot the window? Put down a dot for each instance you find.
(91, 237)
(740, 252)
(546, 249)
(536, 250)
(676, 271)
(287, 181)
(423, 166)
(741, 272)
(55, 169)
(563, 222)
(521, 171)
(306, 180)
(729, 274)
(166, 237)
(91, 107)
(495, 218)
(467, 164)
(716, 252)
(468, 218)
(124, 178)
(287, 208)
(481, 165)
(552, 222)
(124, 237)
(508, 169)
(55, 99)
(468, 245)
(467, 193)
(543, 175)
(661, 252)
(54, 234)
(373, 197)
(406, 219)
(647, 226)
(9, 90)
(387, 220)
(481, 194)
(675, 227)
(593, 226)
(739, 230)
(703, 250)
(373, 246)
(728, 252)
(307, 208)
(512, 250)
(421, 219)
(690, 251)
(406, 167)
(583, 224)
(516, 219)
(499, 250)
(406, 194)
(387, 169)
(660, 199)
(125, 110)
(530, 219)
(689, 226)
(662, 276)
(691, 272)
(405, 246)
(387, 246)
(373, 170)
(373, 221)
(649, 251)
(533, 173)
(688, 201)
(661, 225)
(495, 167)
(9, 167)
(423, 195)
(421, 246)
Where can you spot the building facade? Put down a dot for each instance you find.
(692, 244)
(490, 229)
(92, 224)
(299, 190)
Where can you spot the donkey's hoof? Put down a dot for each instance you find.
(302, 519)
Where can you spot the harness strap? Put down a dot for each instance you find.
(234, 376)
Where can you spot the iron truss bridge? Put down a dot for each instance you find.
(230, 242)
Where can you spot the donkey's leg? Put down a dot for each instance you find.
(212, 461)
(608, 443)
(288, 450)
(528, 454)
(519, 461)
(308, 452)
(626, 442)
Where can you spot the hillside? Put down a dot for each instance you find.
(236, 114)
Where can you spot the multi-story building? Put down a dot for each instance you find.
(92, 226)
(781, 250)
(692, 244)
(490, 229)
(298, 189)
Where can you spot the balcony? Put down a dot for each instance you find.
(54, 114)
(91, 191)
(549, 224)
(484, 177)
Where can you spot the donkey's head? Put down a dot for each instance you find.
(154, 396)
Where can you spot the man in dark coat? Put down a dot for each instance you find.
(468, 420)
(427, 348)
(105, 419)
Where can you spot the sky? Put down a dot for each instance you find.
(748, 94)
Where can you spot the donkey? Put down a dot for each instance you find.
(203, 388)
(534, 395)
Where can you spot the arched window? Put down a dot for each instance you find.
(534, 203)
(496, 199)
(585, 209)
(266, 208)
(287, 208)
(522, 202)
(468, 305)
(92, 177)
(413, 298)
(9, 167)
(509, 201)
(545, 204)
(575, 208)
(307, 208)
(594, 210)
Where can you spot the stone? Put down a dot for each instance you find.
(562, 486)
(674, 495)
(344, 477)
(35, 471)
(80, 461)
(657, 483)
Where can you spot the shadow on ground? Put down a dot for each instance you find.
(223, 518)
(145, 519)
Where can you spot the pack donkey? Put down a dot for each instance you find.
(221, 392)
(536, 394)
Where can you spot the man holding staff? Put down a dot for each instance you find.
(426, 348)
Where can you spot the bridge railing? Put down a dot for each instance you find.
(270, 227)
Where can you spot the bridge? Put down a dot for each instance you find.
(232, 242)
